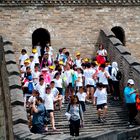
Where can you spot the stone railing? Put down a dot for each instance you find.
(15, 112)
(69, 2)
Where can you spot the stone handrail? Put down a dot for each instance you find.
(15, 112)
(69, 2)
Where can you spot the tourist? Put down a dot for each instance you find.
(23, 57)
(115, 82)
(100, 100)
(75, 109)
(49, 105)
(38, 110)
(101, 55)
(40, 87)
(130, 100)
(82, 97)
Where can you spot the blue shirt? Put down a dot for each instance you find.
(129, 98)
(38, 118)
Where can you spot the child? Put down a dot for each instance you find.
(35, 54)
(82, 98)
(100, 100)
(23, 57)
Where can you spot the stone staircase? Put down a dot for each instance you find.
(117, 119)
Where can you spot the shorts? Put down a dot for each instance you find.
(60, 90)
(89, 86)
(49, 111)
(101, 106)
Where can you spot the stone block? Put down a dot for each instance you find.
(123, 50)
(12, 69)
(115, 41)
(8, 47)
(14, 82)
(131, 60)
(16, 97)
(19, 115)
(35, 137)
(107, 33)
(10, 58)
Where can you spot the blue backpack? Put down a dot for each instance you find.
(30, 87)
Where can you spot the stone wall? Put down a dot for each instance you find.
(73, 26)
(14, 112)
(129, 65)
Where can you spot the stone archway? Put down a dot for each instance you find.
(119, 33)
(42, 38)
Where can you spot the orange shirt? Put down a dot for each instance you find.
(138, 102)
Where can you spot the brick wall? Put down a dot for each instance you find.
(74, 27)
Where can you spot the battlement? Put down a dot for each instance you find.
(69, 2)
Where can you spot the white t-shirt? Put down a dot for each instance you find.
(41, 89)
(114, 74)
(101, 96)
(102, 78)
(36, 60)
(38, 50)
(68, 74)
(31, 99)
(48, 101)
(58, 83)
(22, 58)
(35, 76)
(79, 83)
(78, 62)
(54, 91)
(81, 97)
(23, 69)
(32, 65)
(88, 74)
(102, 52)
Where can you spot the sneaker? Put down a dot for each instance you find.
(131, 126)
(100, 120)
(104, 119)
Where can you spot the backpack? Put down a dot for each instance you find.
(110, 70)
(30, 87)
(119, 75)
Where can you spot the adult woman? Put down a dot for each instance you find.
(130, 99)
(101, 54)
(75, 109)
(115, 82)
(38, 116)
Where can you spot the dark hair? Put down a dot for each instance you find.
(23, 50)
(41, 79)
(39, 99)
(72, 99)
(99, 85)
(52, 82)
(67, 53)
(88, 65)
(102, 65)
(28, 68)
(56, 74)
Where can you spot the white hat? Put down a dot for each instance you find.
(44, 69)
(131, 81)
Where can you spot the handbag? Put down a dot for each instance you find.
(68, 115)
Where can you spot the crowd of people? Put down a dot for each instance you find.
(49, 81)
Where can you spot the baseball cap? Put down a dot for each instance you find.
(131, 82)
